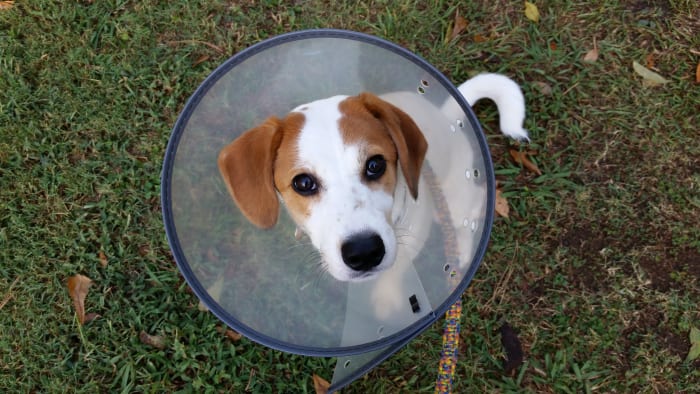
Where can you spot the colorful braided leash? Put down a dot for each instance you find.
(450, 344)
(450, 335)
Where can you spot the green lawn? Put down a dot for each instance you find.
(597, 268)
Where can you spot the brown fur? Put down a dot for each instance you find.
(286, 167)
(407, 137)
(359, 127)
(246, 164)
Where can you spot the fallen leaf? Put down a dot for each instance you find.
(155, 341)
(650, 61)
(6, 5)
(522, 159)
(321, 385)
(103, 259)
(650, 78)
(592, 55)
(553, 46)
(697, 74)
(543, 87)
(200, 60)
(91, 316)
(512, 347)
(460, 24)
(78, 286)
(531, 12)
(480, 38)
(502, 207)
(694, 352)
(229, 333)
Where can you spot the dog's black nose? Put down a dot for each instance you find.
(363, 251)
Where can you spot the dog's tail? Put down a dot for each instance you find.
(507, 96)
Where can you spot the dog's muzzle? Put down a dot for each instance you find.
(363, 251)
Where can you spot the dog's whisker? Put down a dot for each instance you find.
(318, 272)
(313, 266)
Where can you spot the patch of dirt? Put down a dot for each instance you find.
(676, 344)
(584, 241)
(650, 321)
(587, 243)
(684, 263)
(648, 7)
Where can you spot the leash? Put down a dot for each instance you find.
(450, 334)
(450, 345)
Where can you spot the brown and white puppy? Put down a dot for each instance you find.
(339, 165)
(334, 163)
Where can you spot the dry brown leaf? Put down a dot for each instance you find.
(78, 286)
(156, 341)
(592, 55)
(6, 5)
(697, 74)
(543, 87)
(480, 38)
(91, 316)
(460, 24)
(522, 159)
(200, 60)
(233, 335)
(502, 208)
(321, 385)
(531, 12)
(650, 61)
(229, 333)
(103, 259)
(553, 46)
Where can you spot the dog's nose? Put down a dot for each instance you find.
(363, 251)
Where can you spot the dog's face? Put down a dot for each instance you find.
(335, 165)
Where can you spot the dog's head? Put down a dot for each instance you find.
(335, 164)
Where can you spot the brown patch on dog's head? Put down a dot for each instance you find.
(361, 128)
(287, 167)
(371, 119)
(248, 166)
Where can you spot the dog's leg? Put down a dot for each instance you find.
(507, 96)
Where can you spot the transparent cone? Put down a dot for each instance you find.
(267, 284)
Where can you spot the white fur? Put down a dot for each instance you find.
(507, 96)
(347, 206)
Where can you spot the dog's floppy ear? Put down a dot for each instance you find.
(408, 139)
(246, 164)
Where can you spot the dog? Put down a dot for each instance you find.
(348, 171)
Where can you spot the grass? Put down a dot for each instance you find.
(597, 267)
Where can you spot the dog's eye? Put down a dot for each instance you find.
(375, 167)
(305, 184)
